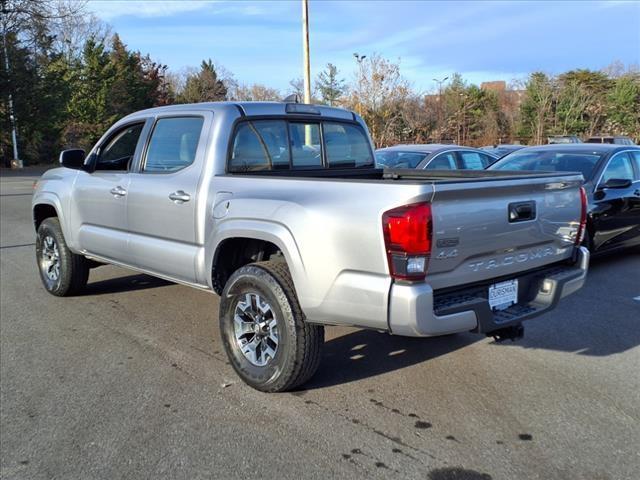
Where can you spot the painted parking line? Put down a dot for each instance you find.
(637, 299)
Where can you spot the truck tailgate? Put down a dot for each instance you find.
(488, 228)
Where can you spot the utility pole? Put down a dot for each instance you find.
(16, 163)
(440, 111)
(305, 50)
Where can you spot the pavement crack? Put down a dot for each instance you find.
(21, 245)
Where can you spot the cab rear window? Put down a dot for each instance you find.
(260, 145)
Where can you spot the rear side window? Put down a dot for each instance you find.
(395, 159)
(282, 144)
(444, 161)
(173, 144)
(260, 145)
(619, 167)
(474, 160)
(346, 145)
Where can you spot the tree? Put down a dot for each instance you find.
(571, 106)
(296, 87)
(623, 105)
(537, 107)
(378, 95)
(135, 82)
(88, 108)
(256, 93)
(203, 86)
(595, 86)
(330, 86)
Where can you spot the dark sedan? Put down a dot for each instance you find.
(433, 156)
(612, 183)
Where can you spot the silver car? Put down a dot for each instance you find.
(434, 156)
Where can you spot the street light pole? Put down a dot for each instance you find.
(440, 119)
(305, 50)
(359, 59)
(14, 137)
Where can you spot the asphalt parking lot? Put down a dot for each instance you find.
(130, 381)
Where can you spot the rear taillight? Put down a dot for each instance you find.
(407, 237)
(583, 217)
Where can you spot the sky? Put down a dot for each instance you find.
(261, 41)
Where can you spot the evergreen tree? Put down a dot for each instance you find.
(204, 86)
(330, 86)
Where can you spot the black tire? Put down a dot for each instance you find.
(73, 270)
(299, 347)
(587, 241)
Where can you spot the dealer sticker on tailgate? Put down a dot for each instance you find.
(504, 294)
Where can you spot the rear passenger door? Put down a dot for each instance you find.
(162, 202)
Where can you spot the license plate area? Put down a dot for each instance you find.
(504, 294)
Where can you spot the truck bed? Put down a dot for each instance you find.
(405, 175)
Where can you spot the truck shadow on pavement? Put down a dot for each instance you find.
(366, 353)
(124, 284)
(600, 319)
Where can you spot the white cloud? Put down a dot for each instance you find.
(110, 9)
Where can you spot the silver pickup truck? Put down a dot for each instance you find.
(277, 208)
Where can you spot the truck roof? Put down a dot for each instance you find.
(256, 109)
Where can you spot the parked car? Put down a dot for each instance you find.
(277, 208)
(433, 157)
(502, 149)
(561, 139)
(617, 140)
(612, 184)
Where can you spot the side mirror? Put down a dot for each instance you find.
(616, 183)
(73, 158)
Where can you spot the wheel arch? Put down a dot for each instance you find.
(42, 211)
(272, 237)
(46, 205)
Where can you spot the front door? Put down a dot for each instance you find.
(100, 198)
(616, 216)
(162, 203)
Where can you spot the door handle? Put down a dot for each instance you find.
(637, 193)
(179, 197)
(118, 191)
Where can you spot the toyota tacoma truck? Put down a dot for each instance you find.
(279, 209)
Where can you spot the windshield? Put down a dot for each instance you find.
(549, 161)
(395, 159)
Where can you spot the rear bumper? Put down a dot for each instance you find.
(417, 311)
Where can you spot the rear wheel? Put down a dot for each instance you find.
(62, 272)
(264, 332)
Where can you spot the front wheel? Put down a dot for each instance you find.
(62, 272)
(264, 332)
